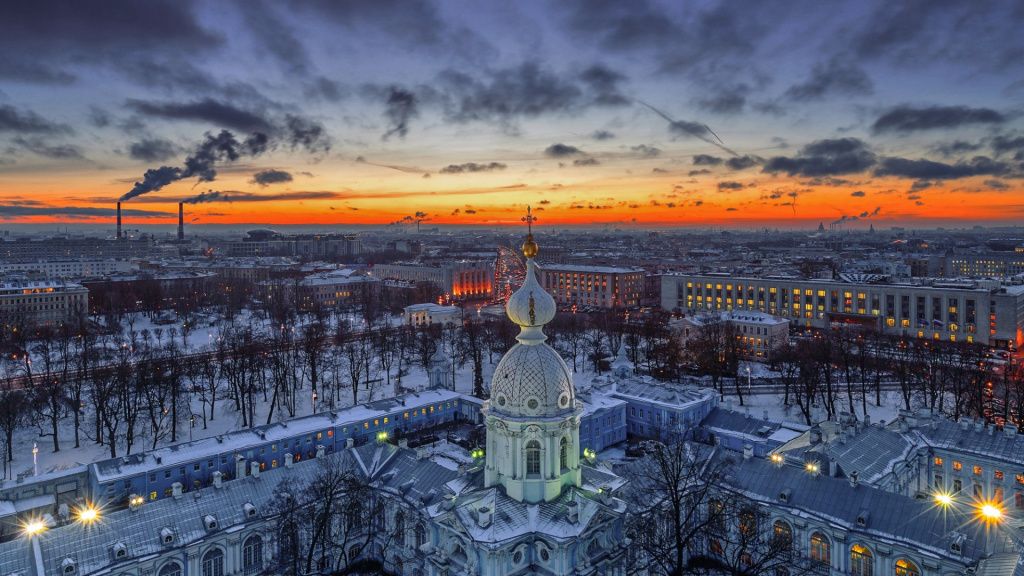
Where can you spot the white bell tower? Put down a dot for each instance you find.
(533, 417)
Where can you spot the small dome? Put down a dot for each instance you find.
(530, 381)
(530, 305)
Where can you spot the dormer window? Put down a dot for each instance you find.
(250, 510)
(166, 536)
(67, 566)
(120, 551)
(210, 521)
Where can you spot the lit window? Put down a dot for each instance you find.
(905, 567)
(977, 470)
(861, 561)
(957, 466)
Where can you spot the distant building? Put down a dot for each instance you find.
(760, 334)
(986, 264)
(970, 311)
(61, 248)
(333, 289)
(458, 280)
(593, 286)
(41, 302)
(263, 242)
(67, 268)
(429, 313)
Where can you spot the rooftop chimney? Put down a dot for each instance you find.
(181, 221)
(118, 220)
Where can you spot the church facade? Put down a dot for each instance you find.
(535, 508)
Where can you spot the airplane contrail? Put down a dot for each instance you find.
(695, 129)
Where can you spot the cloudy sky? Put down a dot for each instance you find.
(781, 113)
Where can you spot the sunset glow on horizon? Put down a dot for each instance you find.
(645, 114)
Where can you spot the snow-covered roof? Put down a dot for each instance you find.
(589, 269)
(666, 394)
(239, 440)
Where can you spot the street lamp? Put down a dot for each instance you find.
(990, 512)
(88, 514)
(943, 499)
(33, 527)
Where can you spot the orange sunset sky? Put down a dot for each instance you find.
(781, 114)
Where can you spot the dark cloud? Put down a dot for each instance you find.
(727, 100)
(234, 196)
(271, 176)
(706, 160)
(322, 88)
(586, 162)
(837, 76)
(152, 149)
(15, 210)
(223, 147)
(910, 119)
(561, 150)
(919, 185)
(99, 117)
(646, 151)
(41, 147)
(525, 91)
(1003, 144)
(700, 172)
(858, 194)
(604, 86)
(47, 41)
(729, 186)
(472, 167)
(27, 122)
(996, 184)
(300, 132)
(825, 158)
(274, 36)
(928, 169)
(206, 110)
(955, 148)
(602, 135)
(400, 107)
(743, 162)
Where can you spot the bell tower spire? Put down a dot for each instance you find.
(533, 417)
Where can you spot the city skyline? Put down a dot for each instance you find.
(781, 114)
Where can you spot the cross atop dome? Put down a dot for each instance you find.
(530, 306)
(530, 247)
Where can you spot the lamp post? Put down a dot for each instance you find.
(35, 459)
(748, 380)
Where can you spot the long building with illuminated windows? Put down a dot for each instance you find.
(593, 286)
(458, 280)
(984, 312)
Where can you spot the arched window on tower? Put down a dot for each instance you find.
(862, 562)
(563, 452)
(533, 458)
(905, 567)
(821, 555)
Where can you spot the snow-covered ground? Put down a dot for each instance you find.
(226, 419)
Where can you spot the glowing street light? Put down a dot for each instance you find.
(88, 514)
(33, 527)
(943, 499)
(990, 512)
(812, 467)
(776, 458)
(382, 436)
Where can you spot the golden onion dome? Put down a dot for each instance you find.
(530, 247)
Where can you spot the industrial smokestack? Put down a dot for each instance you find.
(118, 220)
(181, 220)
